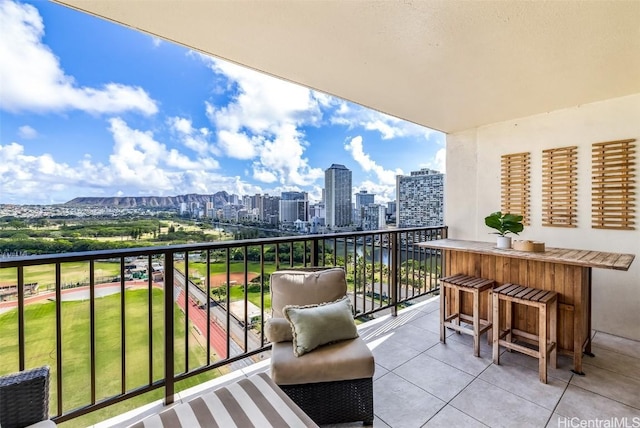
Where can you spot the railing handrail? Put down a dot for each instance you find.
(37, 259)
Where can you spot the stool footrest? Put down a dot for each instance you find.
(485, 326)
(535, 353)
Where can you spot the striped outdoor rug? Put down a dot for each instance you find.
(251, 402)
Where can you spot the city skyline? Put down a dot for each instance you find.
(119, 113)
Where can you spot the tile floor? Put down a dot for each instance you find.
(420, 382)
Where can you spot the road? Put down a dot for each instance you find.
(198, 316)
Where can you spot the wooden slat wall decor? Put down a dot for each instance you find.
(613, 185)
(559, 187)
(515, 185)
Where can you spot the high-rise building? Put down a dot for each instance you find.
(266, 207)
(363, 198)
(420, 199)
(247, 202)
(391, 210)
(337, 185)
(294, 206)
(229, 212)
(209, 211)
(373, 217)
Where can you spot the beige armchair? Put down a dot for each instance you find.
(333, 382)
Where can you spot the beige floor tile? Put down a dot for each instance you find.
(460, 356)
(401, 404)
(586, 405)
(389, 355)
(379, 372)
(617, 344)
(496, 407)
(525, 383)
(434, 376)
(430, 322)
(450, 417)
(614, 361)
(486, 350)
(609, 384)
(414, 337)
(562, 372)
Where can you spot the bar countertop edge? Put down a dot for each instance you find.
(586, 258)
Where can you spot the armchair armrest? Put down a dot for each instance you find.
(24, 397)
(278, 330)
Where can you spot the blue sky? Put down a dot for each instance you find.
(91, 108)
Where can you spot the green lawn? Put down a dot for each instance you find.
(71, 272)
(40, 346)
(237, 293)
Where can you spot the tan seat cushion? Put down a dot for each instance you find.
(291, 287)
(344, 360)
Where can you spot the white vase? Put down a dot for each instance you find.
(504, 242)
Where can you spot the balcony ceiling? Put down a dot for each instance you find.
(447, 65)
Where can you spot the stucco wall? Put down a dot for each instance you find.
(473, 191)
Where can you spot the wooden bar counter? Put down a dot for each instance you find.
(565, 271)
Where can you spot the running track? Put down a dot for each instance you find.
(199, 318)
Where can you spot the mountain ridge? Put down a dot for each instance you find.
(219, 199)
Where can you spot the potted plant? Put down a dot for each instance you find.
(504, 223)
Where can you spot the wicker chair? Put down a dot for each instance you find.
(24, 398)
(334, 382)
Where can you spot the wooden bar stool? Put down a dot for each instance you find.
(547, 303)
(469, 284)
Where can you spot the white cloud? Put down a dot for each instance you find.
(238, 145)
(438, 162)
(283, 157)
(194, 139)
(262, 123)
(22, 174)
(139, 164)
(263, 175)
(384, 193)
(386, 177)
(27, 132)
(31, 78)
(156, 41)
(389, 127)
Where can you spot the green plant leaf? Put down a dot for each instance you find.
(507, 223)
(512, 218)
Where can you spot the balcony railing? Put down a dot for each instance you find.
(115, 330)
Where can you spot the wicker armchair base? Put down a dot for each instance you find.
(335, 402)
(24, 398)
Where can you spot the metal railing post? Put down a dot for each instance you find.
(395, 272)
(315, 252)
(168, 329)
